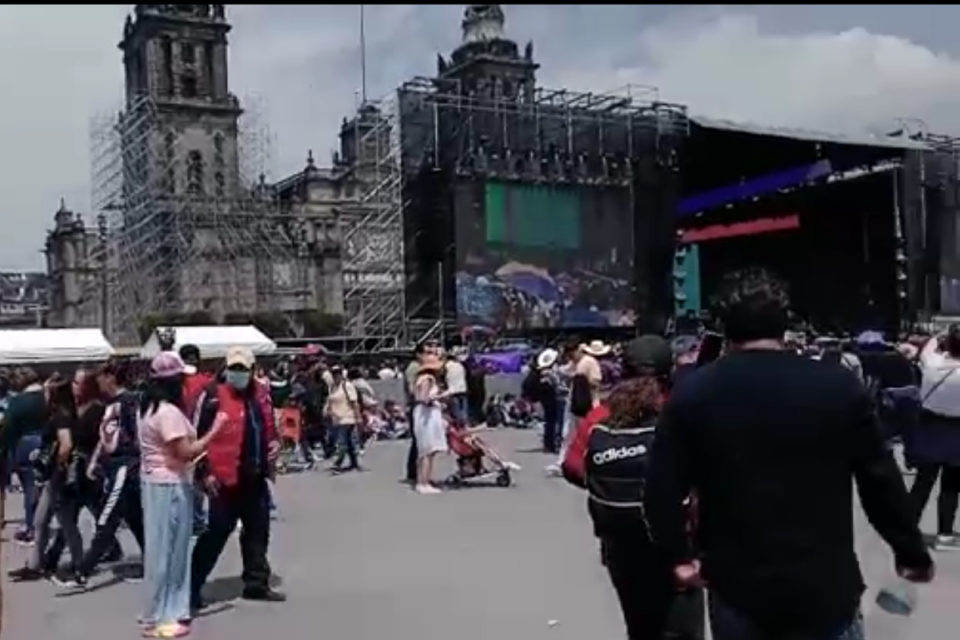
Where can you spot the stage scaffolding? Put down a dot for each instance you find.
(372, 231)
(172, 242)
(557, 136)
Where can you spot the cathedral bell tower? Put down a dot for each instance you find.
(176, 55)
(487, 63)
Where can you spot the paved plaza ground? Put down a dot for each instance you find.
(362, 557)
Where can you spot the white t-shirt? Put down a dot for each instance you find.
(456, 376)
(940, 382)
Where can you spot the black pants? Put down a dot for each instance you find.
(89, 496)
(552, 428)
(947, 500)
(644, 586)
(249, 502)
(121, 504)
(412, 454)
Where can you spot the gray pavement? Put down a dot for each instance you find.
(362, 557)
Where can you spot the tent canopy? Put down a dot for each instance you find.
(214, 340)
(38, 346)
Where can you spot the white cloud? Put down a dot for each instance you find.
(849, 81)
(60, 65)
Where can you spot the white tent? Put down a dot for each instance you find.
(37, 346)
(214, 340)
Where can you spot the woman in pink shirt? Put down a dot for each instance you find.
(168, 450)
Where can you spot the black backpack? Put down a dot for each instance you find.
(581, 399)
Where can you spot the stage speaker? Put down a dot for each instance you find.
(429, 228)
(656, 184)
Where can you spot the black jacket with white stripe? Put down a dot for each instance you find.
(617, 461)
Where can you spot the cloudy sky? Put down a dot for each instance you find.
(836, 68)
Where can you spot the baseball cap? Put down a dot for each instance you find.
(166, 364)
(240, 356)
(648, 352)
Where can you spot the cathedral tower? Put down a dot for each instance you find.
(487, 63)
(176, 55)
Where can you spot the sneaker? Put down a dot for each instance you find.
(512, 466)
(427, 490)
(554, 470)
(72, 582)
(264, 595)
(26, 574)
(23, 538)
(947, 542)
(134, 574)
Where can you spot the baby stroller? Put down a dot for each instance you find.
(476, 460)
(291, 457)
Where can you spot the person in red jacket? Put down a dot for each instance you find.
(609, 455)
(195, 381)
(234, 474)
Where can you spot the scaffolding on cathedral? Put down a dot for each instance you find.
(372, 231)
(167, 245)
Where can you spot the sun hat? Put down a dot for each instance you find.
(547, 358)
(595, 348)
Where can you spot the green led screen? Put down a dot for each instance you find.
(532, 216)
(543, 255)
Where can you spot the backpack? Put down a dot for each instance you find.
(581, 399)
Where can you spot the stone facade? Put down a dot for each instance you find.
(195, 235)
(73, 276)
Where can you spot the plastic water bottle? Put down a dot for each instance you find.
(898, 597)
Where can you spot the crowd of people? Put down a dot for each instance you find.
(721, 463)
(727, 464)
(143, 457)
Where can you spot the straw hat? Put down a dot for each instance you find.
(595, 348)
(547, 358)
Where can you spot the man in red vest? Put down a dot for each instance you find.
(234, 475)
(194, 380)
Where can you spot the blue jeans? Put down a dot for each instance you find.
(458, 408)
(345, 441)
(167, 526)
(727, 623)
(27, 475)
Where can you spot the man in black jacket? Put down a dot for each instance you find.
(771, 442)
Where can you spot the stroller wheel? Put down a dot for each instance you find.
(503, 480)
(454, 481)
